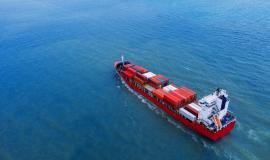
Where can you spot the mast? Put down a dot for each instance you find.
(122, 59)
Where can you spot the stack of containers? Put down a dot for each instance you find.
(158, 81)
(175, 101)
(191, 93)
(188, 95)
(141, 76)
(193, 108)
(139, 80)
(126, 66)
(128, 74)
(148, 75)
(187, 114)
(159, 93)
(131, 70)
(154, 83)
(139, 69)
(128, 71)
(170, 88)
(178, 97)
(136, 72)
(171, 99)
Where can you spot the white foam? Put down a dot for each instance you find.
(253, 135)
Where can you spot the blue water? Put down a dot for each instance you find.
(60, 98)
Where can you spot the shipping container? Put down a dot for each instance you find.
(126, 66)
(194, 95)
(191, 97)
(131, 70)
(154, 85)
(141, 76)
(169, 88)
(175, 93)
(159, 80)
(187, 114)
(184, 95)
(154, 80)
(149, 75)
(172, 100)
(140, 69)
(185, 99)
(164, 81)
(128, 74)
(188, 90)
(159, 93)
(193, 108)
(138, 80)
(197, 107)
(149, 88)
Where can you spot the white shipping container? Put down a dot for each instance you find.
(172, 88)
(195, 106)
(187, 114)
(149, 88)
(149, 75)
(169, 88)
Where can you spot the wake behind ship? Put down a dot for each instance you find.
(208, 116)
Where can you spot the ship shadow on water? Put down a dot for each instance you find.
(117, 80)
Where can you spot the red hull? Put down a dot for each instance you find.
(201, 129)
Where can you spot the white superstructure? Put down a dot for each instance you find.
(216, 103)
(208, 110)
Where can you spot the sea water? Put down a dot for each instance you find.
(61, 99)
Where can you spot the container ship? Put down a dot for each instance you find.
(208, 116)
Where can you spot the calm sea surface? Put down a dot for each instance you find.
(60, 98)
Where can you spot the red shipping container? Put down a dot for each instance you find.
(190, 97)
(183, 93)
(192, 110)
(154, 80)
(138, 80)
(185, 98)
(129, 65)
(159, 93)
(131, 70)
(128, 74)
(141, 76)
(174, 101)
(159, 81)
(188, 90)
(140, 69)
(126, 66)
(162, 77)
(192, 93)
(154, 85)
(175, 93)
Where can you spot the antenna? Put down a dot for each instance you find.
(122, 58)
